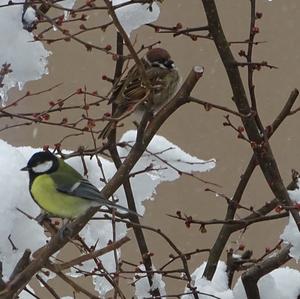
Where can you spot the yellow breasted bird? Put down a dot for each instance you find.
(60, 190)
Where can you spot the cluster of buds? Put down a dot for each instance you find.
(59, 103)
(188, 221)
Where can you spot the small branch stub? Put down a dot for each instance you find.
(199, 70)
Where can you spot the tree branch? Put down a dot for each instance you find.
(226, 229)
(57, 242)
(251, 276)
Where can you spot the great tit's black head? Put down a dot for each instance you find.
(41, 162)
(159, 57)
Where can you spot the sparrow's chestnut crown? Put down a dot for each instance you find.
(160, 57)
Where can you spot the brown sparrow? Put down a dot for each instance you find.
(131, 95)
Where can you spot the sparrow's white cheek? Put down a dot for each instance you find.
(43, 167)
(162, 66)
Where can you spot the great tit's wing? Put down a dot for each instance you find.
(84, 189)
(81, 188)
(71, 182)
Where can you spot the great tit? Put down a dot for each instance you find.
(60, 190)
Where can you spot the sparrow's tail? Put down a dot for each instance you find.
(107, 129)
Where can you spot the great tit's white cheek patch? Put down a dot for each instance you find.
(43, 167)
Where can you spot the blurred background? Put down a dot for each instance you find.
(195, 130)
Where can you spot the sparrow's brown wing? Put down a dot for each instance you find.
(131, 90)
(128, 92)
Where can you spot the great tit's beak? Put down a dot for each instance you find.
(24, 168)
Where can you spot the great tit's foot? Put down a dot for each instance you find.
(41, 218)
(65, 231)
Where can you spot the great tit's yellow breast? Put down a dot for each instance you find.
(57, 203)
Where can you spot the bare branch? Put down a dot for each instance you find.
(251, 276)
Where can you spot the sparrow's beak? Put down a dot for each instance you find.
(24, 168)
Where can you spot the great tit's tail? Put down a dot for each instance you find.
(114, 205)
